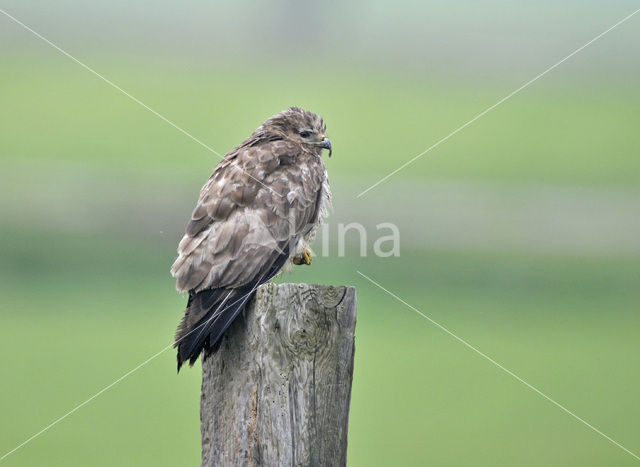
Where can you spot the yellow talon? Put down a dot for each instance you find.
(305, 258)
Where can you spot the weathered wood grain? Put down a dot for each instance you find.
(277, 392)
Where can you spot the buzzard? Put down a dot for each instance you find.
(256, 215)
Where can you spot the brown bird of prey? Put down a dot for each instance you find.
(256, 215)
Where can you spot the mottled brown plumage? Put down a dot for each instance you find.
(258, 211)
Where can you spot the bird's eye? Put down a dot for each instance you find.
(304, 133)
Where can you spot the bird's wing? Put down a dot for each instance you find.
(255, 205)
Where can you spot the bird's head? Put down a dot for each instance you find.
(301, 126)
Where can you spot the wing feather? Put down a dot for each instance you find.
(258, 201)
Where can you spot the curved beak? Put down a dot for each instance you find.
(326, 144)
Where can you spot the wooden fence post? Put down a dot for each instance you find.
(277, 392)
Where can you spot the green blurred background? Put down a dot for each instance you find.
(520, 234)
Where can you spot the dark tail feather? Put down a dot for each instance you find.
(210, 312)
(216, 310)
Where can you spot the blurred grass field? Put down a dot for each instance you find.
(582, 133)
(80, 311)
(80, 308)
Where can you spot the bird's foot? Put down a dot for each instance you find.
(304, 258)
